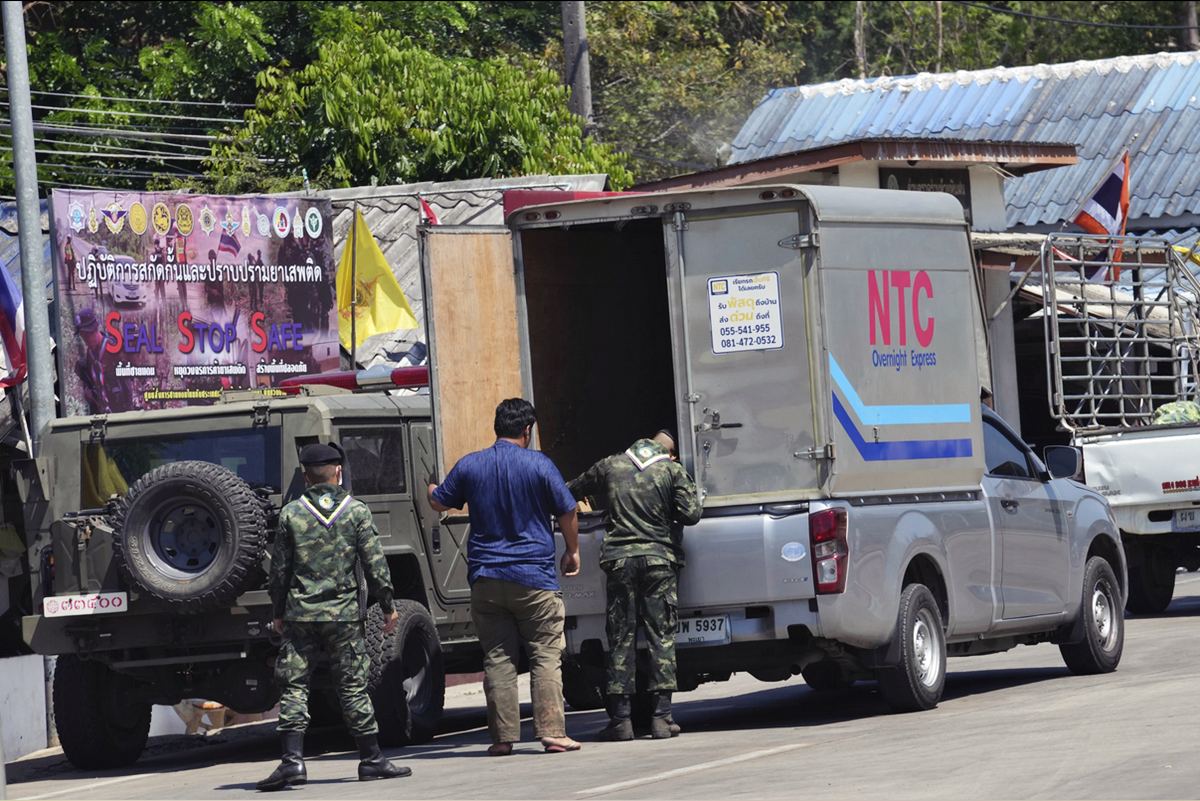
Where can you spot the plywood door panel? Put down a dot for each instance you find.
(474, 343)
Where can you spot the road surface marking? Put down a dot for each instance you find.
(80, 789)
(671, 774)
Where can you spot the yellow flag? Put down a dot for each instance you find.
(372, 297)
(1192, 253)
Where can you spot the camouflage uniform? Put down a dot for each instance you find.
(314, 588)
(649, 498)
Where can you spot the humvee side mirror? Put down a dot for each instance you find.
(1063, 461)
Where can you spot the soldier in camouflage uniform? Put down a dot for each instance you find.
(649, 498)
(322, 536)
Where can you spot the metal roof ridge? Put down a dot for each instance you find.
(927, 80)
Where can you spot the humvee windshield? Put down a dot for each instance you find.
(109, 468)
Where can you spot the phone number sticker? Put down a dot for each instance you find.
(744, 312)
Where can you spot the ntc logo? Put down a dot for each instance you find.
(901, 292)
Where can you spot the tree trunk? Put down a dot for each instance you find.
(860, 37)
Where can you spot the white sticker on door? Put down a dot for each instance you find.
(744, 312)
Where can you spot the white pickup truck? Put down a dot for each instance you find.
(1123, 342)
(864, 515)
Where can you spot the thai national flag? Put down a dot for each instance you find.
(1106, 211)
(12, 331)
(229, 244)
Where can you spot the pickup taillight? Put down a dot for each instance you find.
(827, 536)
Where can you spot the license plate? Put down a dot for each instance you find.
(1186, 520)
(99, 603)
(703, 630)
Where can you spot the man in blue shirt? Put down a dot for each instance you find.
(511, 493)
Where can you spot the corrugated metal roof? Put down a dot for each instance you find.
(392, 214)
(1098, 105)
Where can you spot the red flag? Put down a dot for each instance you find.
(1107, 210)
(427, 214)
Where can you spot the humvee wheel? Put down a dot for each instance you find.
(101, 723)
(191, 534)
(408, 677)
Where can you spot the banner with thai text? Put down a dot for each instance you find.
(169, 299)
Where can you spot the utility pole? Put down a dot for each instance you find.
(1191, 36)
(33, 270)
(937, 14)
(578, 73)
(860, 37)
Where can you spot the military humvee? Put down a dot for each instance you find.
(149, 543)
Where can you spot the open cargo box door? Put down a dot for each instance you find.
(471, 323)
(749, 390)
(474, 363)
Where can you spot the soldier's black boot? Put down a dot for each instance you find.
(661, 722)
(373, 764)
(620, 723)
(291, 770)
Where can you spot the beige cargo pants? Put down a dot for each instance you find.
(505, 615)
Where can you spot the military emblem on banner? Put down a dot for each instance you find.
(183, 219)
(137, 218)
(93, 221)
(114, 217)
(264, 224)
(313, 223)
(231, 223)
(281, 222)
(77, 217)
(245, 221)
(298, 226)
(160, 218)
(208, 220)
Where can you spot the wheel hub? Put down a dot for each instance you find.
(1103, 616)
(926, 657)
(185, 539)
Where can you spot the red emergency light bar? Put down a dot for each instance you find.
(381, 377)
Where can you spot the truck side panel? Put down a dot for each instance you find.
(902, 379)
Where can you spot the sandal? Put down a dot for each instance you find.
(559, 745)
(500, 749)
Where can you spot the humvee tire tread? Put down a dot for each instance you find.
(98, 727)
(402, 722)
(238, 563)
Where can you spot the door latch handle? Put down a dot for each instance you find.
(716, 423)
(1010, 505)
(437, 539)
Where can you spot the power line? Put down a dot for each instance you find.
(167, 157)
(220, 103)
(1081, 23)
(87, 129)
(51, 137)
(117, 113)
(56, 167)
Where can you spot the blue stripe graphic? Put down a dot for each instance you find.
(924, 414)
(902, 449)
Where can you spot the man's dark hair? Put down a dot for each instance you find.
(513, 416)
(320, 473)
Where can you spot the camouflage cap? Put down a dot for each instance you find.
(319, 453)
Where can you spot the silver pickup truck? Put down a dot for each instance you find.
(822, 350)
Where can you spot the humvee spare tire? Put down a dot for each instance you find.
(191, 534)
(407, 675)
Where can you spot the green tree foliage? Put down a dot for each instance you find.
(350, 90)
(372, 106)
(673, 81)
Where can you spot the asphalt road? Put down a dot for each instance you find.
(1011, 726)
